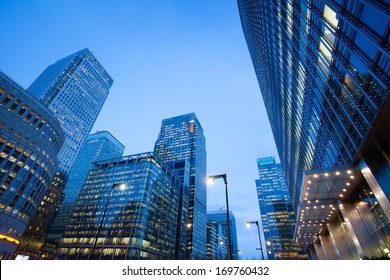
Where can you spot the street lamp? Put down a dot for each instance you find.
(211, 180)
(121, 186)
(248, 224)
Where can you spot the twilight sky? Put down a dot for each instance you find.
(167, 58)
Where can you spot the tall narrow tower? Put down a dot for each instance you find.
(181, 138)
(74, 89)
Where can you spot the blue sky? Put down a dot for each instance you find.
(167, 58)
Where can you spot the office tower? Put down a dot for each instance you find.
(277, 216)
(323, 72)
(74, 89)
(30, 140)
(180, 138)
(182, 169)
(216, 242)
(99, 146)
(220, 218)
(127, 209)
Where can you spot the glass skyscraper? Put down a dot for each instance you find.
(98, 146)
(219, 218)
(74, 89)
(181, 138)
(138, 221)
(277, 216)
(323, 71)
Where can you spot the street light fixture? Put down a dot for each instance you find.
(248, 224)
(211, 180)
(121, 186)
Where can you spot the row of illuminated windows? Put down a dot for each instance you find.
(13, 104)
(26, 140)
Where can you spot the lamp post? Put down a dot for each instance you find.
(121, 186)
(248, 224)
(211, 179)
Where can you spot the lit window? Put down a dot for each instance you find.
(330, 15)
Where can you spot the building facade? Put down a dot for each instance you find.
(138, 221)
(322, 67)
(217, 218)
(74, 89)
(277, 215)
(180, 138)
(216, 242)
(98, 146)
(30, 140)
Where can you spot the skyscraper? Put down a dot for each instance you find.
(323, 71)
(30, 140)
(181, 138)
(277, 216)
(74, 89)
(98, 146)
(136, 221)
(219, 218)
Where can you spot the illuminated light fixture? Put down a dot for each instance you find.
(315, 175)
(386, 250)
(352, 177)
(337, 173)
(341, 195)
(348, 184)
(308, 201)
(326, 174)
(9, 239)
(317, 200)
(349, 171)
(309, 182)
(307, 193)
(323, 206)
(315, 207)
(344, 190)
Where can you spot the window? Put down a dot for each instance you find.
(330, 15)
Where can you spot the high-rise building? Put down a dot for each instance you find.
(220, 218)
(74, 89)
(98, 146)
(30, 140)
(127, 209)
(277, 216)
(181, 138)
(323, 71)
(216, 242)
(181, 168)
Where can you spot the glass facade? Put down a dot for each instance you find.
(74, 89)
(323, 70)
(182, 137)
(98, 146)
(30, 140)
(219, 218)
(277, 215)
(216, 242)
(138, 221)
